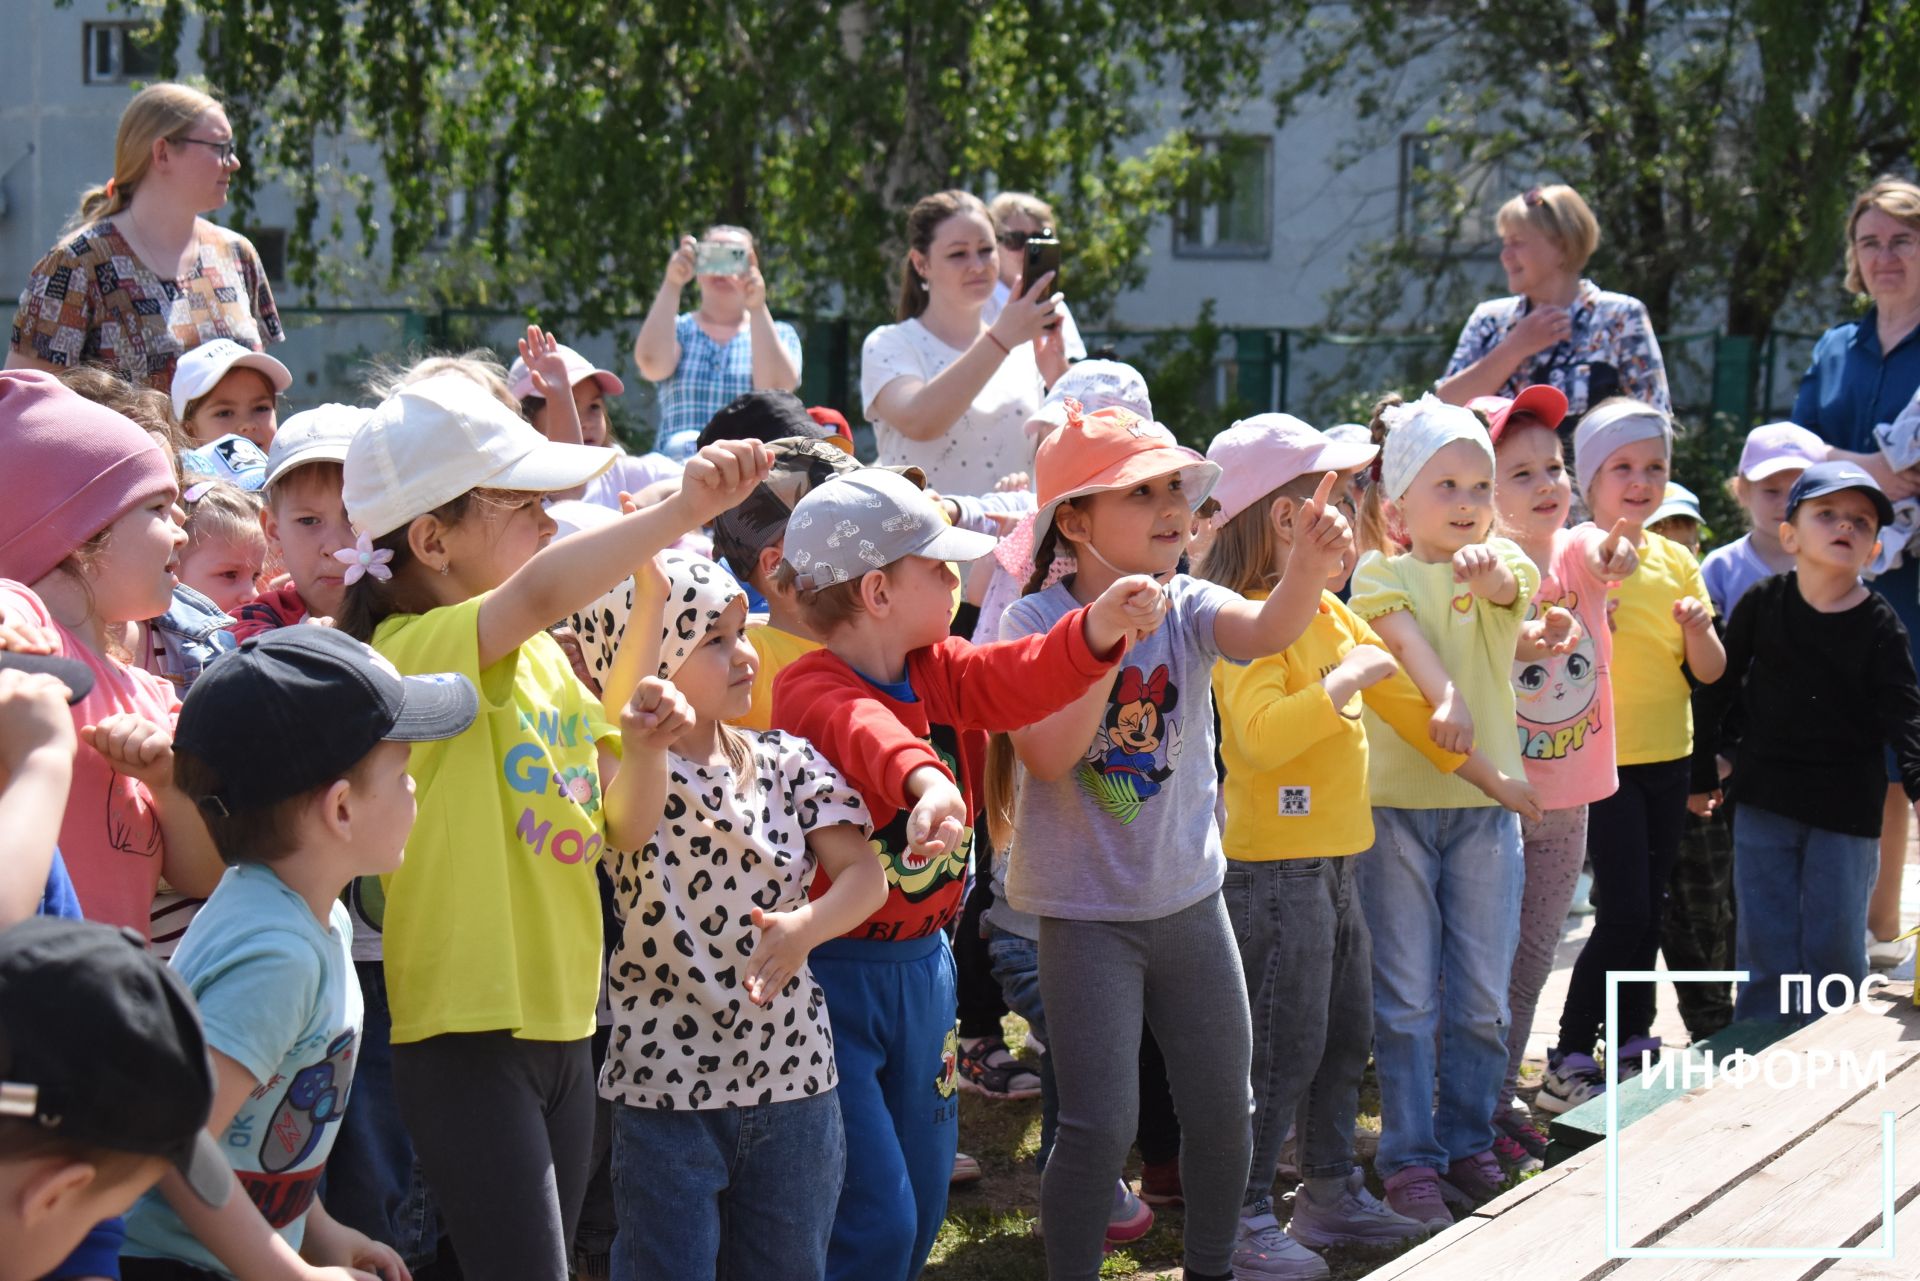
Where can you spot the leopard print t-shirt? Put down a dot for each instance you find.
(685, 1035)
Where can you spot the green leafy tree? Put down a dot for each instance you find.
(581, 137)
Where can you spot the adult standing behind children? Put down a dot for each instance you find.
(726, 347)
(1863, 373)
(1018, 217)
(946, 391)
(139, 277)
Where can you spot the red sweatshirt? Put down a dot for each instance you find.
(962, 692)
(268, 611)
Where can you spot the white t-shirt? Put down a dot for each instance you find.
(986, 443)
(1073, 346)
(685, 1035)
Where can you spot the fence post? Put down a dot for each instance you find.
(1253, 356)
(1733, 377)
(1286, 368)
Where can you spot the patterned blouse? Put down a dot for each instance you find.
(90, 300)
(711, 374)
(1611, 351)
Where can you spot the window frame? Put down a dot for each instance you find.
(1243, 251)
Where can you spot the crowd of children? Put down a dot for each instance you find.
(522, 818)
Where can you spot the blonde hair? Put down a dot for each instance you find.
(476, 364)
(224, 513)
(1024, 203)
(151, 409)
(162, 111)
(1560, 214)
(1372, 533)
(1245, 552)
(1894, 197)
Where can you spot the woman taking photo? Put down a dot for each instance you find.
(139, 276)
(1864, 372)
(1558, 327)
(728, 346)
(945, 391)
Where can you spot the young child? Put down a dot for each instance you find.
(88, 542)
(590, 386)
(1441, 885)
(1821, 667)
(1115, 847)
(267, 958)
(1565, 706)
(1662, 630)
(1772, 459)
(492, 925)
(1678, 520)
(304, 519)
(77, 1146)
(1295, 750)
(226, 551)
(728, 1148)
(903, 710)
(222, 388)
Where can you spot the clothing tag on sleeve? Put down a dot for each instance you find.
(1296, 802)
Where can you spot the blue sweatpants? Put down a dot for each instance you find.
(895, 1043)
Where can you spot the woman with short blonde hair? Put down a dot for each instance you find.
(139, 277)
(1558, 327)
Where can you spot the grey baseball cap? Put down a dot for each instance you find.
(866, 520)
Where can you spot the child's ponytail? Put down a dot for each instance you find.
(1373, 534)
(370, 601)
(1044, 553)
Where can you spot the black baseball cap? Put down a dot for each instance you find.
(75, 675)
(1830, 478)
(100, 1043)
(296, 708)
(768, 415)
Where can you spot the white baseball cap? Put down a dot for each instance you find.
(1776, 447)
(1257, 455)
(435, 440)
(1096, 385)
(199, 371)
(317, 435)
(579, 369)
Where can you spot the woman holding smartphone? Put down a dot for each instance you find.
(728, 346)
(946, 391)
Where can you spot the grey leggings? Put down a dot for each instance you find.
(1097, 979)
(504, 1129)
(1554, 849)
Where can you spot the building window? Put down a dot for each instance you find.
(271, 244)
(1449, 193)
(1228, 213)
(117, 52)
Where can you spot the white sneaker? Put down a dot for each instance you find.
(1570, 1081)
(1355, 1217)
(1888, 954)
(1265, 1252)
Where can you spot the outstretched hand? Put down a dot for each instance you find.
(721, 476)
(1321, 535)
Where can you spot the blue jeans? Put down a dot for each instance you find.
(1016, 968)
(1441, 892)
(1306, 951)
(740, 1193)
(1803, 895)
(373, 1181)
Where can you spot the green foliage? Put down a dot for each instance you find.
(551, 151)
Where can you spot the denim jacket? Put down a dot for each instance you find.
(182, 641)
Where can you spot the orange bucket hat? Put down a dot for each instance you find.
(1112, 449)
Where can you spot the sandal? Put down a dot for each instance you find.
(989, 1069)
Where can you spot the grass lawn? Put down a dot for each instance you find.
(988, 1235)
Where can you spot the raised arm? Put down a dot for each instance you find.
(656, 352)
(923, 409)
(774, 367)
(1245, 630)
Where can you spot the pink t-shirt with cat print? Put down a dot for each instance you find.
(1565, 701)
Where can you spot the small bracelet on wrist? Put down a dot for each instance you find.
(995, 340)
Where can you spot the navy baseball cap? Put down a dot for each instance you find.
(1830, 478)
(296, 708)
(100, 1043)
(75, 675)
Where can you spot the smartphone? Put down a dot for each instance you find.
(720, 258)
(1043, 256)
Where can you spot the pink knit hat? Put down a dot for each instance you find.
(72, 469)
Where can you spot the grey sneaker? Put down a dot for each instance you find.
(1264, 1252)
(1355, 1217)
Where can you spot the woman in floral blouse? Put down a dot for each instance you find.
(1558, 328)
(138, 276)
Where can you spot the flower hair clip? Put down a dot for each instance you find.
(363, 559)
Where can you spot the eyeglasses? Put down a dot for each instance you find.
(1900, 246)
(1015, 239)
(225, 150)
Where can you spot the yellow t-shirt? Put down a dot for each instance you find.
(1474, 639)
(1296, 764)
(493, 921)
(776, 649)
(1652, 702)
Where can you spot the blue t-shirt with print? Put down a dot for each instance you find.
(278, 995)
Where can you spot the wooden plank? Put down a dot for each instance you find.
(1906, 1236)
(1701, 1143)
(1431, 1254)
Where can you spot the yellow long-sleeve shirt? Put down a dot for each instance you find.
(1296, 764)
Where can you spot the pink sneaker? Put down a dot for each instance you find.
(1414, 1193)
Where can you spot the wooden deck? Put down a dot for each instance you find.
(1721, 1167)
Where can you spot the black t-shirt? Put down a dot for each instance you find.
(1822, 696)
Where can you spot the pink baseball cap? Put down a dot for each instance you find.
(1776, 447)
(1541, 401)
(1257, 455)
(579, 369)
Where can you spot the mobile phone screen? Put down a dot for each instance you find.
(1043, 256)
